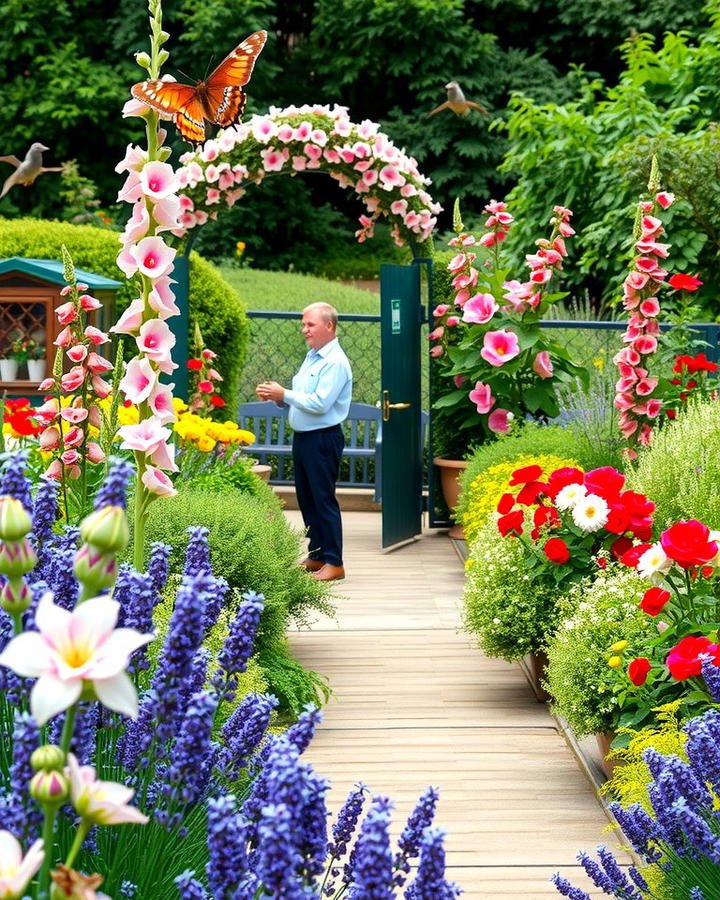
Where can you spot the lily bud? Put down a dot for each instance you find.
(17, 558)
(163, 57)
(143, 59)
(15, 596)
(49, 757)
(50, 788)
(94, 569)
(106, 529)
(15, 523)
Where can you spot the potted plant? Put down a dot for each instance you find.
(35, 361)
(17, 355)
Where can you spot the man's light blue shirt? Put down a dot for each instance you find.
(321, 390)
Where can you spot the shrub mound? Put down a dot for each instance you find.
(214, 305)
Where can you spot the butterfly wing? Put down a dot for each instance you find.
(177, 101)
(225, 99)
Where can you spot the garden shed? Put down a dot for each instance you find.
(29, 294)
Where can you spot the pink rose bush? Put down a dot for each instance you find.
(298, 139)
(489, 341)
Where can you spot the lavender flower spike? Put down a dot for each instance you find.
(372, 876)
(430, 883)
(158, 566)
(226, 844)
(238, 645)
(567, 890)
(113, 491)
(197, 554)
(189, 887)
(412, 834)
(13, 482)
(45, 508)
(711, 674)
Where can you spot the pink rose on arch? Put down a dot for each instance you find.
(480, 309)
(542, 365)
(499, 347)
(482, 397)
(499, 420)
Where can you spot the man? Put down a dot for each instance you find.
(319, 402)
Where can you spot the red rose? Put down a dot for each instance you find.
(684, 282)
(546, 515)
(606, 482)
(631, 556)
(618, 519)
(637, 504)
(525, 475)
(205, 387)
(195, 364)
(703, 364)
(687, 543)
(530, 492)
(505, 504)
(560, 478)
(654, 600)
(638, 670)
(557, 551)
(512, 522)
(217, 400)
(683, 659)
(682, 362)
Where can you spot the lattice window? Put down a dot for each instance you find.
(25, 321)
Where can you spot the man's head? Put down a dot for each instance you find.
(319, 322)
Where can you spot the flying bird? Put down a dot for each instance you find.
(457, 103)
(219, 99)
(28, 170)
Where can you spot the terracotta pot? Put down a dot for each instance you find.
(535, 667)
(262, 471)
(450, 470)
(604, 739)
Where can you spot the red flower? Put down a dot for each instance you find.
(620, 547)
(216, 400)
(560, 478)
(505, 504)
(530, 492)
(606, 482)
(703, 364)
(20, 421)
(683, 659)
(195, 364)
(670, 413)
(20, 403)
(525, 475)
(557, 551)
(683, 282)
(546, 515)
(618, 519)
(631, 556)
(512, 522)
(688, 544)
(205, 387)
(638, 670)
(653, 601)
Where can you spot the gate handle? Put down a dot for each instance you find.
(387, 406)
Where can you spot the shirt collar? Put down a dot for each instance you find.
(325, 349)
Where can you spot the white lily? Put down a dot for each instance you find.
(73, 649)
(16, 870)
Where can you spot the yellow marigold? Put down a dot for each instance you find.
(485, 490)
(179, 405)
(128, 415)
(206, 444)
(619, 646)
(615, 662)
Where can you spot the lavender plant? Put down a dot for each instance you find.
(222, 808)
(679, 843)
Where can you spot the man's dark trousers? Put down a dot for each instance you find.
(316, 458)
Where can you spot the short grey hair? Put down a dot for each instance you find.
(328, 312)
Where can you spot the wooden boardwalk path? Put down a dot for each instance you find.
(415, 703)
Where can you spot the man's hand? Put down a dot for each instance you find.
(271, 390)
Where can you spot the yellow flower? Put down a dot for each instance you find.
(179, 405)
(128, 415)
(599, 362)
(615, 662)
(619, 646)
(239, 248)
(206, 444)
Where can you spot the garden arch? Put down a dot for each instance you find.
(361, 158)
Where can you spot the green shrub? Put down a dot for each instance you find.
(509, 613)
(680, 470)
(253, 547)
(214, 305)
(592, 618)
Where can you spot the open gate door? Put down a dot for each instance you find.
(402, 316)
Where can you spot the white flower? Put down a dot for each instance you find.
(72, 649)
(653, 561)
(590, 512)
(16, 871)
(569, 495)
(100, 802)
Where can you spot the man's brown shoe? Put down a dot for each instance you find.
(312, 565)
(329, 573)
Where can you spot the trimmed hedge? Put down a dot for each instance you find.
(214, 305)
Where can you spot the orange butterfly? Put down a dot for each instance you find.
(220, 99)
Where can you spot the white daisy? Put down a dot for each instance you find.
(590, 512)
(653, 561)
(569, 495)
